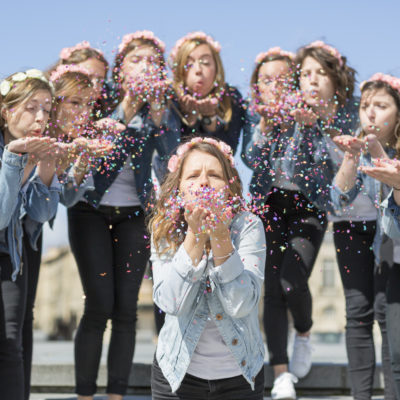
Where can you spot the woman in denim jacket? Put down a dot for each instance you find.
(29, 190)
(289, 152)
(387, 172)
(367, 279)
(107, 204)
(205, 103)
(208, 258)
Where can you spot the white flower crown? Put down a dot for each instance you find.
(6, 84)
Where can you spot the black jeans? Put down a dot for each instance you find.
(12, 313)
(193, 388)
(111, 248)
(393, 323)
(294, 230)
(33, 258)
(364, 286)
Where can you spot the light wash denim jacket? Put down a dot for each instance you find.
(370, 187)
(34, 200)
(301, 153)
(146, 139)
(391, 217)
(180, 291)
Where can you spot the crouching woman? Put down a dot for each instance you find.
(208, 256)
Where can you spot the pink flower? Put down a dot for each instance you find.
(193, 36)
(64, 68)
(392, 81)
(331, 50)
(273, 51)
(66, 52)
(147, 35)
(173, 163)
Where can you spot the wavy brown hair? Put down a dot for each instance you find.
(373, 86)
(343, 77)
(169, 233)
(224, 109)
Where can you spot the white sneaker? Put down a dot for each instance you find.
(283, 387)
(300, 363)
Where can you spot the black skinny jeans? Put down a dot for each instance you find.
(111, 248)
(393, 323)
(364, 286)
(294, 230)
(194, 388)
(12, 313)
(33, 259)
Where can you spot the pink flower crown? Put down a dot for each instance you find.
(175, 160)
(66, 52)
(65, 68)
(147, 35)
(331, 50)
(193, 36)
(392, 81)
(274, 51)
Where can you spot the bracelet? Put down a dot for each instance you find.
(226, 256)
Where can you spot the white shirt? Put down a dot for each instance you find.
(212, 358)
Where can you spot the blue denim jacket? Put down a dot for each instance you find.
(391, 217)
(301, 153)
(34, 200)
(140, 139)
(180, 291)
(370, 187)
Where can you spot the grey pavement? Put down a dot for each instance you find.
(61, 352)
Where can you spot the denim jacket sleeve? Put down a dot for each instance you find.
(238, 281)
(391, 217)
(342, 199)
(41, 202)
(71, 192)
(176, 280)
(11, 174)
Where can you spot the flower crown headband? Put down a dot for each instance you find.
(7, 84)
(66, 52)
(331, 50)
(147, 35)
(392, 81)
(65, 68)
(175, 160)
(193, 36)
(274, 51)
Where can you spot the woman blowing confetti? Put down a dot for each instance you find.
(208, 257)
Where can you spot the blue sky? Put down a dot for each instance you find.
(367, 32)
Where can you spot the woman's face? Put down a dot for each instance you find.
(378, 114)
(273, 80)
(317, 87)
(200, 171)
(74, 112)
(97, 72)
(141, 63)
(200, 71)
(30, 117)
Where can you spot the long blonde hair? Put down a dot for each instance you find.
(179, 72)
(168, 233)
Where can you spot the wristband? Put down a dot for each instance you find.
(225, 256)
